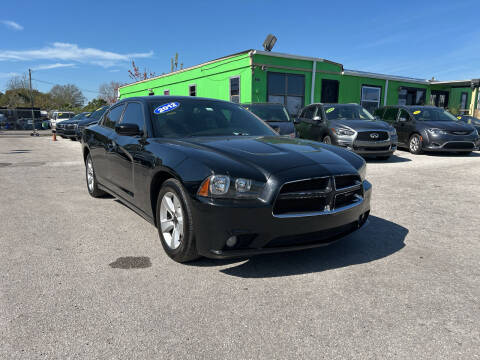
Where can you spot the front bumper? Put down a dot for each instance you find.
(375, 148)
(450, 142)
(259, 232)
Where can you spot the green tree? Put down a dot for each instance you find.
(94, 104)
(67, 97)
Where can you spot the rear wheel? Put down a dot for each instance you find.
(327, 139)
(415, 144)
(92, 184)
(175, 222)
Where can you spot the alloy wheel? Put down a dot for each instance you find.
(171, 220)
(414, 144)
(90, 175)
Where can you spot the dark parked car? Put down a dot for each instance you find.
(274, 115)
(429, 128)
(347, 125)
(68, 128)
(90, 120)
(218, 182)
(469, 119)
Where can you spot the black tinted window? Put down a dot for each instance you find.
(134, 115)
(379, 112)
(390, 114)
(404, 114)
(308, 112)
(113, 116)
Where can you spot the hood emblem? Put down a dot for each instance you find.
(374, 135)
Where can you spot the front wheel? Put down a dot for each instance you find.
(175, 222)
(415, 144)
(327, 139)
(92, 184)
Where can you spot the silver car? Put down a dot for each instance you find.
(349, 126)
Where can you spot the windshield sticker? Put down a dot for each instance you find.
(416, 112)
(329, 110)
(60, 114)
(459, 117)
(166, 108)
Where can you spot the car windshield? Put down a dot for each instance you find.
(432, 114)
(65, 115)
(268, 112)
(97, 114)
(347, 112)
(79, 116)
(192, 117)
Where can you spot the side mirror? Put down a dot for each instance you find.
(402, 119)
(296, 120)
(128, 130)
(317, 118)
(377, 117)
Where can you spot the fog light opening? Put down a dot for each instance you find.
(231, 241)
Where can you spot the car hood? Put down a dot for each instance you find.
(361, 124)
(447, 125)
(282, 127)
(271, 155)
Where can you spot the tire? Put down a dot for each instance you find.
(92, 186)
(327, 140)
(177, 236)
(415, 144)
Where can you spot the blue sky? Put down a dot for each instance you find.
(90, 42)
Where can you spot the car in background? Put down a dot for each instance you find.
(429, 128)
(218, 182)
(469, 119)
(92, 119)
(68, 129)
(275, 115)
(59, 116)
(349, 126)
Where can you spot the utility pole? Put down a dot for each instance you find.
(34, 132)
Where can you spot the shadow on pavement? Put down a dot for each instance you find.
(379, 239)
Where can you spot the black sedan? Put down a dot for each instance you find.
(68, 128)
(274, 115)
(90, 120)
(218, 182)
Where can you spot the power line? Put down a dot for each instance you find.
(50, 83)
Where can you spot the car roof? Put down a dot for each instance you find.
(166, 98)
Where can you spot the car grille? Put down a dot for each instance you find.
(461, 132)
(367, 136)
(318, 195)
(71, 126)
(459, 145)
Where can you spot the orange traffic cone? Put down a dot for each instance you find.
(54, 137)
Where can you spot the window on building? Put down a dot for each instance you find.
(390, 115)
(113, 116)
(235, 89)
(286, 89)
(371, 97)
(411, 96)
(134, 115)
(166, 92)
(192, 90)
(330, 90)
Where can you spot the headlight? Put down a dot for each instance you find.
(436, 131)
(344, 132)
(223, 186)
(362, 171)
(392, 132)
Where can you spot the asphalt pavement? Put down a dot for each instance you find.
(84, 278)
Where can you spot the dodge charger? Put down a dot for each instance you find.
(218, 182)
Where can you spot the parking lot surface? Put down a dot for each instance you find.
(88, 278)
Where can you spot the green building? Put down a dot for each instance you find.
(296, 81)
